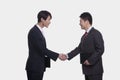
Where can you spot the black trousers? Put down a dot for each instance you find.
(93, 77)
(35, 75)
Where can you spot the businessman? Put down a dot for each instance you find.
(39, 56)
(90, 48)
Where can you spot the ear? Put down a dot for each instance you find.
(42, 20)
(87, 21)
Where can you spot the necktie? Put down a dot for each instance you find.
(83, 38)
(85, 34)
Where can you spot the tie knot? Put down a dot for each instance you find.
(85, 34)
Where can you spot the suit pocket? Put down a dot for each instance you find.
(47, 62)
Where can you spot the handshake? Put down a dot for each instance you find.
(63, 57)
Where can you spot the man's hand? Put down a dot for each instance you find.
(62, 57)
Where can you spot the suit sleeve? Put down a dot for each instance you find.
(40, 45)
(74, 52)
(99, 48)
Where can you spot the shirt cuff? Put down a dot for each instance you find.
(67, 56)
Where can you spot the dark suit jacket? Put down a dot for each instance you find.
(37, 60)
(90, 48)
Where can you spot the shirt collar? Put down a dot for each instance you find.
(39, 28)
(88, 30)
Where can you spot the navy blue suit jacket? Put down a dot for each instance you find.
(37, 60)
(90, 48)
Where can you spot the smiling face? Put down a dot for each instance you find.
(83, 23)
(85, 20)
(46, 22)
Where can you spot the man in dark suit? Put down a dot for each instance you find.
(39, 55)
(90, 48)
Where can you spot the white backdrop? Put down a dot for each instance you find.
(63, 35)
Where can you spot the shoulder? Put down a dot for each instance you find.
(96, 32)
(34, 29)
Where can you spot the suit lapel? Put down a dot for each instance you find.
(83, 39)
(40, 33)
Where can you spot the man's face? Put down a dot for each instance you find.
(47, 21)
(83, 23)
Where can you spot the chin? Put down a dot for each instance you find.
(82, 28)
(46, 26)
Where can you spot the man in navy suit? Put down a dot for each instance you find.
(39, 56)
(91, 48)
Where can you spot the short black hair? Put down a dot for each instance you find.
(43, 14)
(86, 16)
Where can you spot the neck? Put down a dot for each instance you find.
(87, 27)
(41, 24)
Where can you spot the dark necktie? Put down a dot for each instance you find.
(83, 38)
(85, 34)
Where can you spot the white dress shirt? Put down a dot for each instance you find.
(88, 30)
(40, 29)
